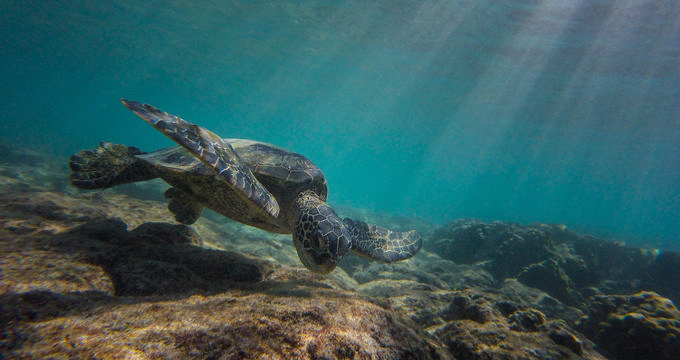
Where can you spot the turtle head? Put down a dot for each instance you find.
(320, 237)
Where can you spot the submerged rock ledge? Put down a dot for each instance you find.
(80, 285)
(105, 275)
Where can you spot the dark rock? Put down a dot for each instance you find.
(562, 335)
(527, 320)
(41, 305)
(548, 276)
(519, 247)
(507, 247)
(663, 275)
(471, 305)
(574, 266)
(524, 296)
(467, 241)
(640, 326)
(621, 266)
(164, 233)
(554, 259)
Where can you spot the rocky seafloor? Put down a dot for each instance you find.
(108, 274)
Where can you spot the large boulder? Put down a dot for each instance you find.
(229, 325)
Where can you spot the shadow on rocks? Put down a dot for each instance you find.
(100, 263)
(156, 258)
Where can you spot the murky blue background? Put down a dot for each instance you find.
(551, 111)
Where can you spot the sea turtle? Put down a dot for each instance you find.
(255, 183)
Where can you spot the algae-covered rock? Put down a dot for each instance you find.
(427, 268)
(485, 325)
(422, 303)
(226, 326)
(640, 326)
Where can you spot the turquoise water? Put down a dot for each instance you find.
(550, 111)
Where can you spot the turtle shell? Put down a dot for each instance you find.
(283, 173)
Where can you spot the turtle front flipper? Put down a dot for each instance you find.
(379, 243)
(213, 151)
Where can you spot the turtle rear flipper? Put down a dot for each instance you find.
(213, 151)
(379, 243)
(108, 165)
(184, 206)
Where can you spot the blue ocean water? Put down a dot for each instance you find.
(529, 111)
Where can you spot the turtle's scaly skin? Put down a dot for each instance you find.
(255, 183)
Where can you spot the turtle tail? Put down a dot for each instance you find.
(379, 243)
(108, 165)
